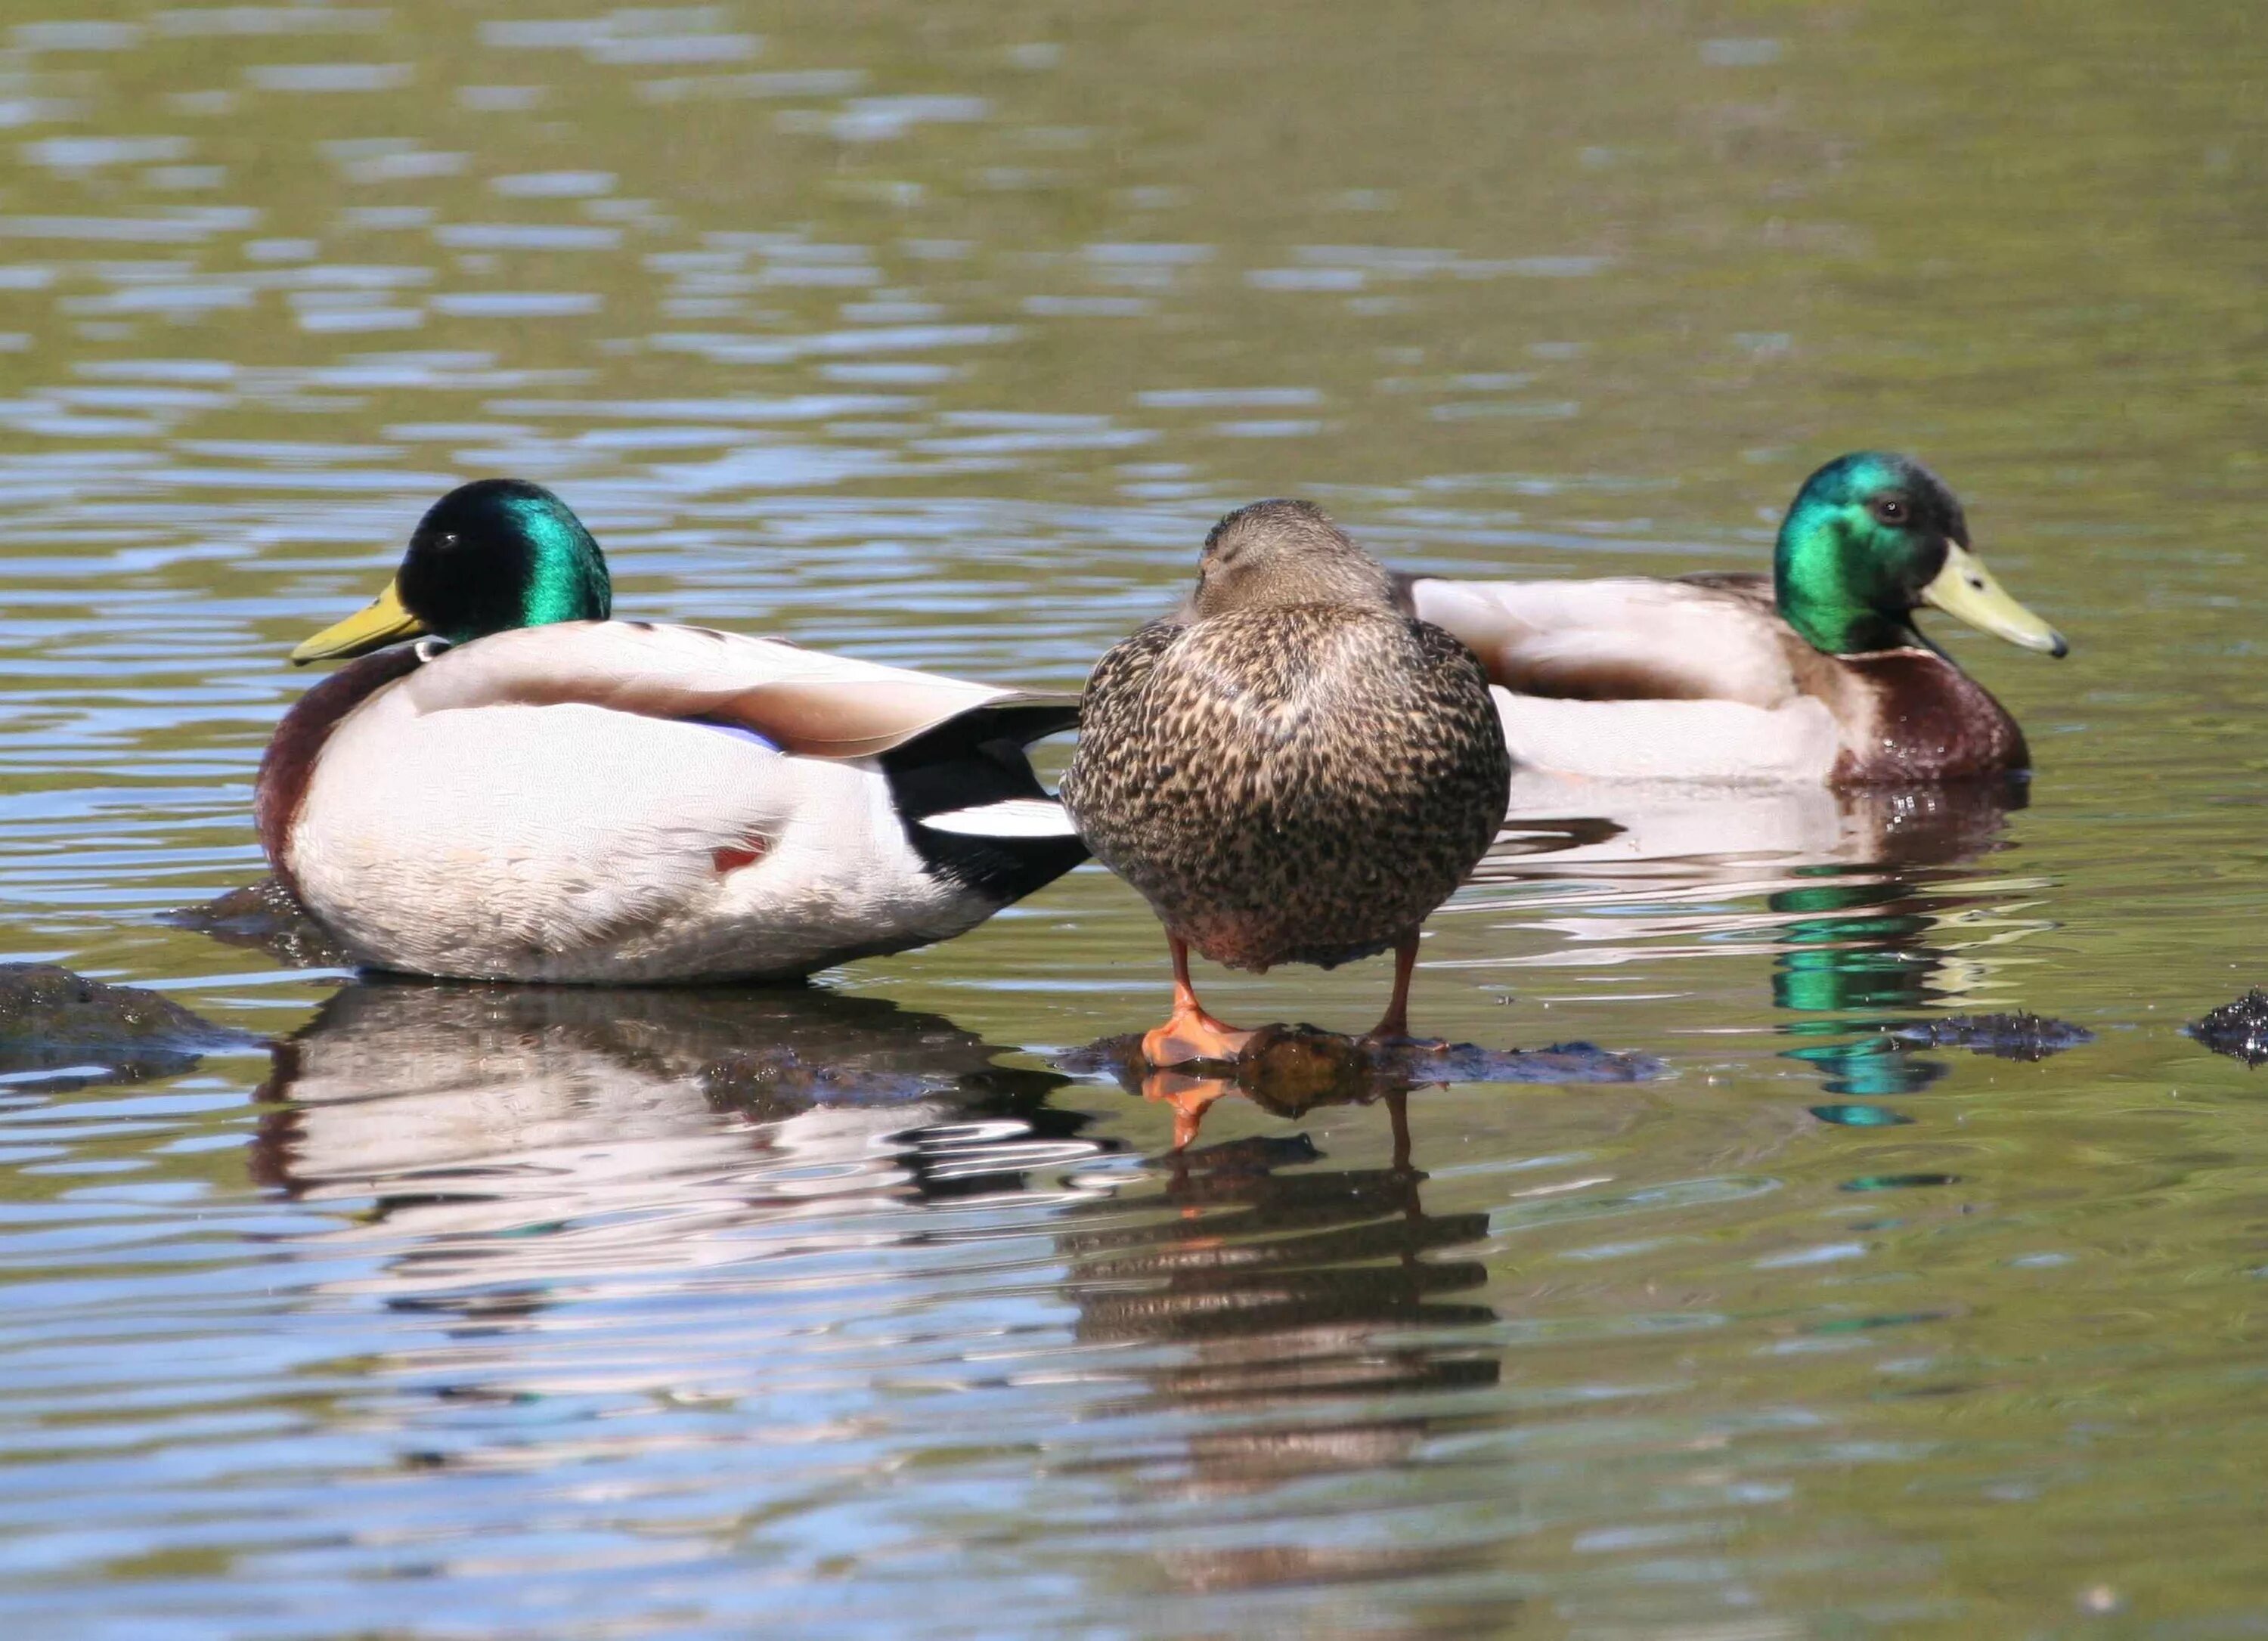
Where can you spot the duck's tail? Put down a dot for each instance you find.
(972, 805)
(1010, 817)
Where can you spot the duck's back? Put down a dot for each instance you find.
(1290, 785)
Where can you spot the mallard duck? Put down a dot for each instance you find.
(1288, 768)
(531, 790)
(1817, 674)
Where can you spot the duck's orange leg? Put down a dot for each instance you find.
(1190, 1034)
(1393, 1026)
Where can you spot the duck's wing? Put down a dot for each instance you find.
(1716, 638)
(802, 701)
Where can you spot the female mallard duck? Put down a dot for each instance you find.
(537, 792)
(1288, 768)
(1819, 675)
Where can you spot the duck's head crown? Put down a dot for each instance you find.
(1275, 554)
(502, 553)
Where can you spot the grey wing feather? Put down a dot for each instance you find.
(1628, 639)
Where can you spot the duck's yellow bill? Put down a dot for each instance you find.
(1964, 588)
(377, 624)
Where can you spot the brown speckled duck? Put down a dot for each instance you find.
(1288, 767)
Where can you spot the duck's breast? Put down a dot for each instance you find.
(1915, 717)
(280, 791)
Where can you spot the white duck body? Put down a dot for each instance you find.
(1701, 680)
(608, 801)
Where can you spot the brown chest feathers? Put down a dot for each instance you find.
(1913, 715)
(1301, 784)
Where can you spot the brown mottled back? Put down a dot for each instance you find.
(1290, 781)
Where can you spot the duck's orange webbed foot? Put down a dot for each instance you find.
(1190, 1034)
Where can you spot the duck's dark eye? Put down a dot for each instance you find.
(1890, 509)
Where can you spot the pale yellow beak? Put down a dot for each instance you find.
(1964, 588)
(377, 624)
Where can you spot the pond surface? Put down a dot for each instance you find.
(938, 333)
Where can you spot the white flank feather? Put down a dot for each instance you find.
(805, 701)
(1630, 679)
(1012, 817)
(1701, 741)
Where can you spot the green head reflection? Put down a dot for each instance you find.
(1852, 951)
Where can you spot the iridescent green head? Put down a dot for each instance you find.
(489, 556)
(1871, 538)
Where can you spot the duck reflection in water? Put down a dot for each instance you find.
(1871, 907)
(1192, 1096)
(1289, 1069)
(506, 1137)
(1305, 1312)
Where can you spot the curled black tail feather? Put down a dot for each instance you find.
(975, 759)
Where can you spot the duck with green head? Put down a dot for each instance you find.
(509, 785)
(1818, 674)
(489, 556)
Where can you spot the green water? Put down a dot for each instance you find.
(939, 334)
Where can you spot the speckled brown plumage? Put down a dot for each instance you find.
(1291, 783)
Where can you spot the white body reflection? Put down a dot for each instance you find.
(512, 1136)
(1868, 904)
(1561, 826)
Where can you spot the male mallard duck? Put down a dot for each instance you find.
(1818, 675)
(1288, 768)
(537, 792)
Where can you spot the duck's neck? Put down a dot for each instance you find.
(565, 581)
(1834, 591)
(1836, 629)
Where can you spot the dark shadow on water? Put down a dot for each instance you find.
(263, 916)
(2014, 1036)
(61, 1031)
(2238, 1029)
